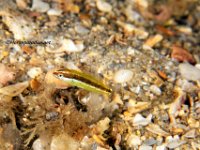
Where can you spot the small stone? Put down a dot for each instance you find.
(104, 6)
(175, 144)
(190, 134)
(155, 89)
(184, 29)
(161, 147)
(123, 75)
(150, 142)
(40, 6)
(81, 29)
(70, 46)
(134, 140)
(140, 120)
(189, 72)
(153, 40)
(34, 72)
(37, 145)
(54, 12)
(145, 147)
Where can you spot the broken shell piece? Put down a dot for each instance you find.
(54, 12)
(123, 75)
(157, 130)
(140, 120)
(40, 6)
(15, 89)
(176, 105)
(34, 72)
(136, 107)
(134, 140)
(190, 134)
(21, 4)
(175, 144)
(182, 54)
(102, 125)
(130, 29)
(145, 147)
(103, 6)
(189, 72)
(152, 41)
(35, 84)
(6, 74)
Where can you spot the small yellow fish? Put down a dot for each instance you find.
(82, 80)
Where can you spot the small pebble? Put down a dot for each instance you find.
(123, 75)
(54, 12)
(40, 6)
(70, 46)
(34, 72)
(37, 145)
(161, 147)
(81, 29)
(145, 147)
(189, 72)
(150, 142)
(104, 6)
(134, 140)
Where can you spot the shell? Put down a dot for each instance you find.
(15, 89)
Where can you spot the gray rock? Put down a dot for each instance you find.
(189, 72)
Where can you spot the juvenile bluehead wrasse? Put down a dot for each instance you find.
(82, 80)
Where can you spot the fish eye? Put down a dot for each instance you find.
(60, 75)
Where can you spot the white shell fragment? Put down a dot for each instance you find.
(37, 145)
(190, 134)
(15, 89)
(175, 144)
(103, 6)
(123, 75)
(54, 12)
(34, 72)
(140, 120)
(173, 109)
(155, 89)
(161, 147)
(189, 72)
(156, 130)
(103, 125)
(40, 6)
(145, 147)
